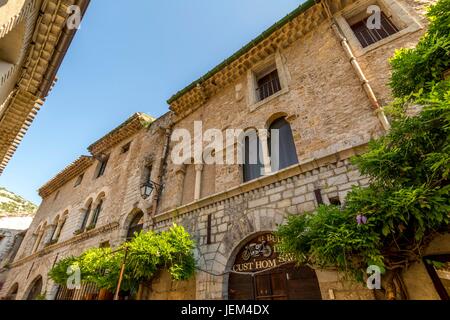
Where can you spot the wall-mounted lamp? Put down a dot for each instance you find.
(147, 188)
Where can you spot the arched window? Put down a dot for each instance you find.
(12, 293)
(60, 226)
(87, 213)
(252, 166)
(36, 289)
(53, 230)
(97, 211)
(281, 145)
(39, 236)
(136, 225)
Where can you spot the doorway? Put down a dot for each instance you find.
(261, 274)
(36, 289)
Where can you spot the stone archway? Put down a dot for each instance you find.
(260, 273)
(136, 224)
(35, 289)
(12, 293)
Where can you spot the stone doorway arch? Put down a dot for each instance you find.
(35, 289)
(12, 293)
(260, 273)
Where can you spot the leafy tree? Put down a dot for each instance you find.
(146, 254)
(390, 222)
(418, 68)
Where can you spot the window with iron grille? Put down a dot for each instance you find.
(368, 36)
(268, 85)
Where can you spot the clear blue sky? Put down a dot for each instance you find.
(127, 58)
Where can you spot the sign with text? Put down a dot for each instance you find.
(259, 254)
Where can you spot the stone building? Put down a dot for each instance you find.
(34, 38)
(319, 77)
(10, 241)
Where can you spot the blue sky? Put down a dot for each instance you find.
(129, 58)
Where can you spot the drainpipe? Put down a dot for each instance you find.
(162, 166)
(357, 68)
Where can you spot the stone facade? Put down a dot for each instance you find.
(8, 241)
(332, 113)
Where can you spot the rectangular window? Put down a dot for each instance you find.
(268, 84)
(79, 180)
(367, 36)
(102, 167)
(148, 174)
(126, 148)
(318, 195)
(335, 201)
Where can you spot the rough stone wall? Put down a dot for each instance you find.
(328, 112)
(417, 281)
(121, 186)
(262, 210)
(8, 240)
(325, 105)
(164, 288)
(375, 63)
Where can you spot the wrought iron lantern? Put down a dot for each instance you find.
(147, 189)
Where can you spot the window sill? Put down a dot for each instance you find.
(258, 104)
(360, 51)
(51, 243)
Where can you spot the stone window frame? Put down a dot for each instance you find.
(402, 19)
(102, 165)
(79, 180)
(125, 148)
(85, 212)
(277, 62)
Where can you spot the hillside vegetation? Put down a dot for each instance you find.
(12, 205)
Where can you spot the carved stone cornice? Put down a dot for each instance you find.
(71, 171)
(131, 126)
(301, 21)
